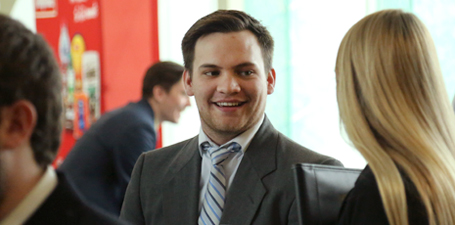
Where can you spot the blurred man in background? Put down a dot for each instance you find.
(31, 192)
(101, 162)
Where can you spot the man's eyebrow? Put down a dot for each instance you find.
(203, 66)
(241, 65)
(245, 64)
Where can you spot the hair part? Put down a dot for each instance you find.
(163, 74)
(226, 21)
(28, 70)
(395, 109)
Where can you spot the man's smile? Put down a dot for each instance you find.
(229, 104)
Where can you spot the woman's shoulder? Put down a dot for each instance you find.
(363, 204)
(366, 179)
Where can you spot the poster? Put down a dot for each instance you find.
(73, 29)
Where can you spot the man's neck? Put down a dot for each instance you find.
(156, 112)
(221, 139)
(21, 174)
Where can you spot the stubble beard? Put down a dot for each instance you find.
(227, 130)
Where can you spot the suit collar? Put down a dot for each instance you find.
(247, 190)
(34, 199)
(146, 105)
(262, 149)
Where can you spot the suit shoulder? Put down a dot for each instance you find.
(163, 157)
(164, 160)
(168, 150)
(133, 113)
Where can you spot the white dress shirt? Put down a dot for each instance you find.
(231, 164)
(33, 199)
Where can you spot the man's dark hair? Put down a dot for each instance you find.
(226, 21)
(28, 71)
(164, 74)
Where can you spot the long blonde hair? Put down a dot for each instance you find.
(395, 110)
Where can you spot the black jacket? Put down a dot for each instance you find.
(64, 206)
(363, 204)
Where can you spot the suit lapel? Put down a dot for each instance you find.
(181, 193)
(247, 190)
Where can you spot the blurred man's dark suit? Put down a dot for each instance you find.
(101, 162)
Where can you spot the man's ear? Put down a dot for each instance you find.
(188, 83)
(17, 123)
(159, 93)
(271, 78)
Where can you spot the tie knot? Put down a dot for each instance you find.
(218, 155)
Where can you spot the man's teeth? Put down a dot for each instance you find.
(227, 104)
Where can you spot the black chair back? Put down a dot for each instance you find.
(321, 190)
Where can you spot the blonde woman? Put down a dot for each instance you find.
(396, 112)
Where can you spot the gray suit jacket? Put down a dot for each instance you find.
(165, 183)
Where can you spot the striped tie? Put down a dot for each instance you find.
(213, 204)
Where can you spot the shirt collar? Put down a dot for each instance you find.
(33, 199)
(147, 105)
(244, 139)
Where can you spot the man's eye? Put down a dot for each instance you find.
(246, 73)
(212, 73)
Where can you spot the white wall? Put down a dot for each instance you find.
(175, 17)
(22, 10)
(316, 32)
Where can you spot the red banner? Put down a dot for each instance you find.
(84, 42)
(73, 29)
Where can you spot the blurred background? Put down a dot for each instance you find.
(105, 46)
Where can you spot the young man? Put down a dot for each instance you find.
(238, 169)
(101, 162)
(31, 192)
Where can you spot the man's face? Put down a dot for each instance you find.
(229, 83)
(175, 102)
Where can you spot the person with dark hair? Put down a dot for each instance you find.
(101, 161)
(238, 169)
(31, 192)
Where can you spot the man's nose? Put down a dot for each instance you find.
(228, 83)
